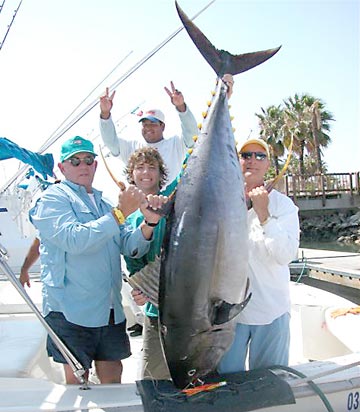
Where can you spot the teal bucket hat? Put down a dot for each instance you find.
(75, 145)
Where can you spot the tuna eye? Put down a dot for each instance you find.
(164, 330)
(191, 372)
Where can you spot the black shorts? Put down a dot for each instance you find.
(105, 343)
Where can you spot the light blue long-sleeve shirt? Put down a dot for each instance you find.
(80, 254)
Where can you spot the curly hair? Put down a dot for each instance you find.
(148, 155)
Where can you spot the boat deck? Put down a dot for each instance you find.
(341, 268)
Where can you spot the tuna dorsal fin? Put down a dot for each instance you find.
(220, 60)
(226, 311)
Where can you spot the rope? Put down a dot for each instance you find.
(302, 272)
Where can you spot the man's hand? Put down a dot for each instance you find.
(130, 200)
(148, 209)
(260, 201)
(24, 278)
(229, 81)
(153, 203)
(177, 99)
(106, 104)
(139, 298)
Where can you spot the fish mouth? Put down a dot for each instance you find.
(189, 365)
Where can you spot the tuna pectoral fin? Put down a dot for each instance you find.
(147, 281)
(224, 311)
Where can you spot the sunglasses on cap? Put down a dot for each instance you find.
(248, 155)
(75, 161)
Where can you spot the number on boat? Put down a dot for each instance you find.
(353, 401)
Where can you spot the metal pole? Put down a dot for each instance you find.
(75, 365)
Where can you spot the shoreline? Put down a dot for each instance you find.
(340, 227)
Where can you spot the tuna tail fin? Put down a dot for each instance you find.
(220, 60)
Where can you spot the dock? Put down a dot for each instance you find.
(335, 271)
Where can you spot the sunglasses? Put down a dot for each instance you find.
(75, 161)
(248, 155)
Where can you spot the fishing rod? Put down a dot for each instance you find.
(11, 22)
(124, 77)
(75, 365)
(50, 141)
(113, 86)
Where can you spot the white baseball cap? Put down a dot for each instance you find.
(154, 115)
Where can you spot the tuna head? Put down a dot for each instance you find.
(200, 355)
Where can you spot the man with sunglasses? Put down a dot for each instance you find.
(262, 328)
(172, 149)
(81, 238)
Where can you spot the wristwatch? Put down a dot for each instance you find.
(119, 215)
(150, 224)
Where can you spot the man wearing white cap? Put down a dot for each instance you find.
(172, 149)
(262, 329)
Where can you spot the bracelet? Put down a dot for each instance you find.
(118, 214)
(150, 224)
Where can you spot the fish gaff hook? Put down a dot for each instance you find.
(118, 183)
(271, 185)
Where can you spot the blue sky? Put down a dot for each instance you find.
(58, 51)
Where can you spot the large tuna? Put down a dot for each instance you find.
(203, 282)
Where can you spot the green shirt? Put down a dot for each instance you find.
(134, 265)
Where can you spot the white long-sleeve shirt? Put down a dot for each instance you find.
(172, 149)
(271, 248)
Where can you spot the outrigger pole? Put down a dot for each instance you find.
(12, 21)
(95, 102)
(75, 365)
(121, 80)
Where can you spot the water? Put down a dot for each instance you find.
(336, 246)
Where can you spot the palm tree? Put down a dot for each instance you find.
(271, 127)
(319, 124)
(296, 125)
(308, 121)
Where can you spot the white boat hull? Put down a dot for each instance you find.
(30, 382)
(30, 395)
